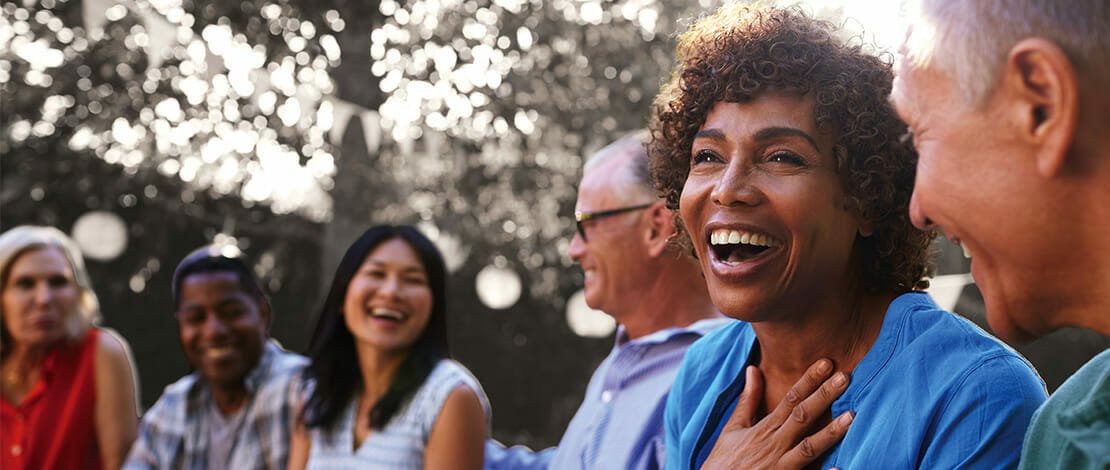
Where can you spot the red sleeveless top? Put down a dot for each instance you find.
(53, 428)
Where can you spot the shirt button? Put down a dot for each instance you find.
(17, 450)
(606, 396)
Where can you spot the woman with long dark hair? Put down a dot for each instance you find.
(381, 389)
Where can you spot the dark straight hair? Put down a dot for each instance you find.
(334, 366)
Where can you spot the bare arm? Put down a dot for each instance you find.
(299, 442)
(299, 446)
(116, 417)
(459, 434)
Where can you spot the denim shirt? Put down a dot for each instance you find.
(934, 391)
(620, 421)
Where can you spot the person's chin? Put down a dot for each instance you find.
(739, 304)
(1005, 321)
(595, 303)
(1004, 315)
(224, 372)
(1005, 328)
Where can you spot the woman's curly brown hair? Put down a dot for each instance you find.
(738, 53)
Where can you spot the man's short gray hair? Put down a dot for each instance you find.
(969, 40)
(636, 176)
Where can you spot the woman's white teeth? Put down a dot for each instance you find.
(734, 237)
(967, 254)
(387, 313)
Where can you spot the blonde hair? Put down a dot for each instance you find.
(969, 40)
(20, 240)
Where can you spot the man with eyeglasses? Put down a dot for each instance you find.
(657, 296)
(236, 410)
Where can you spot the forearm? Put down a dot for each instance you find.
(499, 457)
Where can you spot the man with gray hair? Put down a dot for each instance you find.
(657, 296)
(1007, 103)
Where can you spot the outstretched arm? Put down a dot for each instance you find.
(499, 457)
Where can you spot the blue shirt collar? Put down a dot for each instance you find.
(701, 328)
(885, 345)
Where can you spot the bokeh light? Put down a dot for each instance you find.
(101, 235)
(498, 287)
(585, 321)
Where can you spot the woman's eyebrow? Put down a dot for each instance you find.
(768, 133)
(404, 268)
(713, 134)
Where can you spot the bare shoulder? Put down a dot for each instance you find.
(462, 408)
(463, 395)
(458, 436)
(111, 348)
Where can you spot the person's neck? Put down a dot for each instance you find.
(378, 368)
(1093, 312)
(1083, 279)
(21, 367)
(24, 357)
(1083, 282)
(841, 327)
(1074, 291)
(674, 299)
(229, 398)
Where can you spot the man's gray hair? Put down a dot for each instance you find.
(636, 176)
(969, 40)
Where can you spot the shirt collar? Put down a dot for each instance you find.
(1087, 422)
(700, 328)
(879, 355)
(256, 377)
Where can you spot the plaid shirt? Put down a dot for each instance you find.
(174, 432)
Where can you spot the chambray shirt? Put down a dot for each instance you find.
(620, 422)
(934, 391)
(1072, 429)
(174, 432)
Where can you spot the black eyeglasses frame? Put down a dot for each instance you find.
(580, 217)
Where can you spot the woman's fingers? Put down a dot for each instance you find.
(805, 415)
(779, 440)
(811, 380)
(813, 446)
(744, 414)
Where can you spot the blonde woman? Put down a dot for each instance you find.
(68, 388)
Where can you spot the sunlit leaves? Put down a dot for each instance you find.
(226, 106)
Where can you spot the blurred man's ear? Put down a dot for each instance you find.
(1041, 82)
(661, 228)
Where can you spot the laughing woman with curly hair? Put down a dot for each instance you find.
(775, 144)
